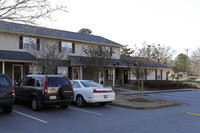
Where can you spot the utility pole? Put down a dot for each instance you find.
(187, 51)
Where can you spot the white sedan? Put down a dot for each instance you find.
(87, 91)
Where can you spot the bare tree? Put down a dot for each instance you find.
(144, 61)
(159, 53)
(98, 58)
(48, 56)
(27, 11)
(195, 62)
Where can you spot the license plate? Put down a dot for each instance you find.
(105, 96)
(52, 97)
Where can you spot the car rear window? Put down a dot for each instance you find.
(4, 81)
(90, 84)
(57, 81)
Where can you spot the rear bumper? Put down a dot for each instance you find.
(56, 102)
(5, 102)
(106, 97)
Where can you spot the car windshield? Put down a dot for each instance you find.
(90, 84)
(4, 81)
(57, 81)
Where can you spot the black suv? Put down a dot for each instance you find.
(44, 90)
(7, 93)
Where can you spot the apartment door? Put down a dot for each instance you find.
(125, 76)
(17, 73)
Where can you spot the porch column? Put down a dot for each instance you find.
(104, 77)
(34, 69)
(3, 67)
(99, 77)
(113, 76)
(81, 73)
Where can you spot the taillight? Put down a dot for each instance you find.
(103, 91)
(46, 86)
(13, 91)
(69, 82)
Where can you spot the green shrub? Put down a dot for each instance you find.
(167, 85)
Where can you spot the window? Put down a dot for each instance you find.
(38, 69)
(110, 74)
(90, 84)
(57, 81)
(29, 43)
(40, 82)
(75, 73)
(67, 47)
(76, 85)
(159, 74)
(24, 82)
(111, 51)
(31, 81)
(62, 70)
(4, 81)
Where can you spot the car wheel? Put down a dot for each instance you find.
(80, 101)
(102, 104)
(7, 109)
(64, 106)
(35, 104)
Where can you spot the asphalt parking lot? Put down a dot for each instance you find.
(105, 119)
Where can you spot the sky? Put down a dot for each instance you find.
(174, 23)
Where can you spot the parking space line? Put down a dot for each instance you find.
(86, 111)
(30, 116)
(193, 114)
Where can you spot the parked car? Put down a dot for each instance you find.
(87, 91)
(7, 93)
(45, 90)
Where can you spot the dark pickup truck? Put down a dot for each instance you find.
(7, 93)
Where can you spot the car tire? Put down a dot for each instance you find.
(102, 104)
(80, 101)
(64, 92)
(7, 109)
(64, 106)
(35, 104)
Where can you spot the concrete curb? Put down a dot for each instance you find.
(146, 108)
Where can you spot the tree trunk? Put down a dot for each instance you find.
(139, 87)
(142, 88)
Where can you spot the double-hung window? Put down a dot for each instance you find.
(158, 74)
(110, 74)
(29, 43)
(66, 47)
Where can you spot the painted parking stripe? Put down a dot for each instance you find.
(30, 116)
(90, 112)
(193, 114)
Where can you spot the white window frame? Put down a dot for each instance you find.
(62, 70)
(29, 43)
(159, 75)
(67, 47)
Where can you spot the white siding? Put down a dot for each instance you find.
(151, 75)
(164, 74)
(9, 42)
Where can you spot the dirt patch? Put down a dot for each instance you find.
(133, 102)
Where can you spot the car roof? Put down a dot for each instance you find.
(80, 80)
(40, 75)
